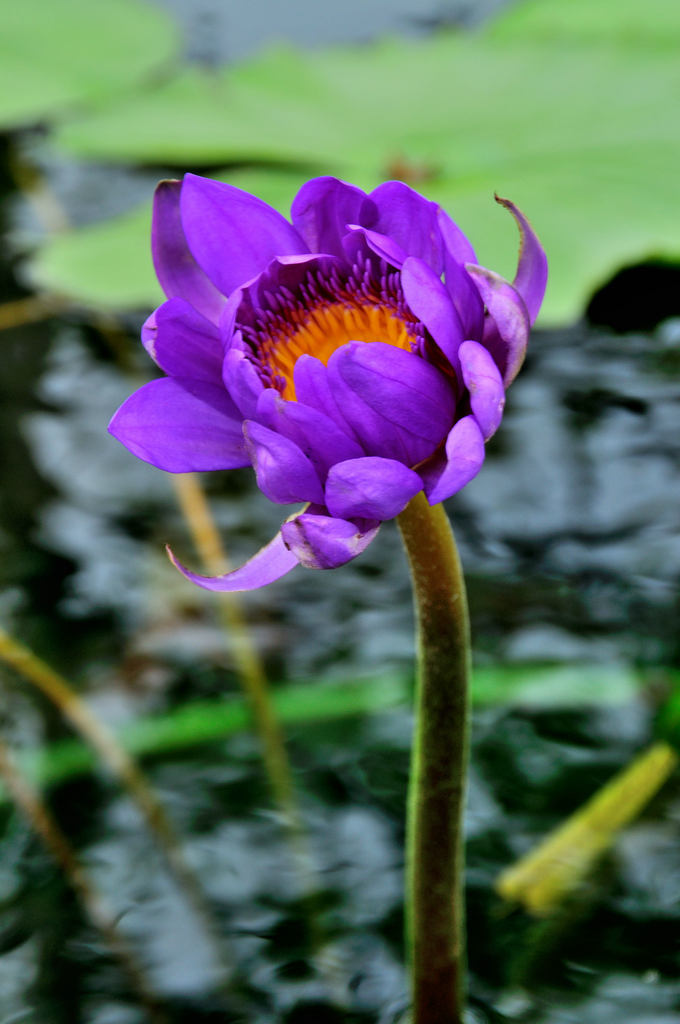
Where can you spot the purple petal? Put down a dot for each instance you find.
(322, 542)
(409, 220)
(380, 245)
(269, 564)
(183, 343)
(324, 207)
(284, 473)
(318, 436)
(312, 388)
(465, 297)
(401, 386)
(429, 300)
(399, 406)
(274, 288)
(456, 243)
(370, 488)
(176, 269)
(464, 458)
(506, 324)
(532, 266)
(181, 425)
(242, 381)
(483, 381)
(233, 235)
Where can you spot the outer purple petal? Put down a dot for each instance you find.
(370, 488)
(318, 436)
(284, 473)
(176, 269)
(233, 235)
(429, 300)
(322, 542)
(464, 458)
(410, 220)
(181, 426)
(483, 381)
(269, 564)
(183, 343)
(506, 324)
(532, 267)
(324, 207)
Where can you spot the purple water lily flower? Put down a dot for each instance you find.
(353, 357)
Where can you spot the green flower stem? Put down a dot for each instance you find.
(435, 894)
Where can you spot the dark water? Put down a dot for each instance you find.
(572, 551)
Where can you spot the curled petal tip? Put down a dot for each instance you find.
(532, 266)
(270, 563)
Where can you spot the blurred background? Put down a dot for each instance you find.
(239, 901)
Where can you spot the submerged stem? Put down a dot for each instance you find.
(435, 893)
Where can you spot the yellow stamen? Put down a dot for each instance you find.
(324, 329)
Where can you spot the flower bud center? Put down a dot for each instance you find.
(325, 314)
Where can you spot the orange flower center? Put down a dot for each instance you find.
(324, 314)
(320, 331)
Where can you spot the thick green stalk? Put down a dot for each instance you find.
(435, 865)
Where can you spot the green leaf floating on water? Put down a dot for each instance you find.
(655, 23)
(54, 56)
(552, 106)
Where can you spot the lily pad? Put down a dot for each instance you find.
(583, 132)
(655, 23)
(54, 56)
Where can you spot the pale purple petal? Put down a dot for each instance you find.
(181, 426)
(284, 473)
(429, 300)
(242, 381)
(269, 564)
(183, 343)
(233, 235)
(317, 435)
(532, 267)
(322, 542)
(324, 207)
(370, 488)
(506, 324)
(410, 221)
(176, 269)
(464, 459)
(483, 381)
